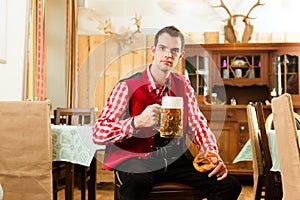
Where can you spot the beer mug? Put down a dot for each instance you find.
(171, 122)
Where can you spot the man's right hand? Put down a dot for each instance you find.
(149, 117)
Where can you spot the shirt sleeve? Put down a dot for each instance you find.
(114, 123)
(198, 130)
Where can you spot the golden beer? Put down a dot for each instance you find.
(171, 123)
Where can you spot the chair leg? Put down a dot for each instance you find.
(270, 185)
(83, 176)
(259, 189)
(55, 196)
(69, 190)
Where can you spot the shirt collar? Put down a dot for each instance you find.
(152, 84)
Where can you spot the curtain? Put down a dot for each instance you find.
(35, 51)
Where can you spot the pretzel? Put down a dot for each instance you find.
(203, 161)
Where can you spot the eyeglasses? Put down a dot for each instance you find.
(164, 49)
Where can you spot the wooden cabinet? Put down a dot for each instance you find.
(247, 72)
(229, 124)
(235, 69)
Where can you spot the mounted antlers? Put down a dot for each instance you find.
(106, 26)
(125, 40)
(238, 28)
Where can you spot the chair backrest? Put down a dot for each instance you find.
(25, 153)
(264, 138)
(273, 182)
(254, 133)
(288, 149)
(74, 116)
(270, 122)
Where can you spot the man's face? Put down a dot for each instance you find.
(167, 52)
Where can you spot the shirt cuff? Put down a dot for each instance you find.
(132, 124)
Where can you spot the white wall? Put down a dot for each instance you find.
(11, 73)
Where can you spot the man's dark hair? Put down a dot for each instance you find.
(172, 31)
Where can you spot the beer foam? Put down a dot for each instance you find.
(172, 102)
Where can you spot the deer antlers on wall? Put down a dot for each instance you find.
(106, 26)
(125, 40)
(238, 28)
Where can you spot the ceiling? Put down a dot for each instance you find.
(188, 15)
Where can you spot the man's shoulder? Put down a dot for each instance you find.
(132, 77)
(178, 76)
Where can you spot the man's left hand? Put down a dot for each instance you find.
(220, 171)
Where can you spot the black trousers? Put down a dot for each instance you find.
(136, 186)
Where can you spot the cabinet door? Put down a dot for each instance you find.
(237, 68)
(230, 142)
(197, 70)
(226, 141)
(286, 73)
(238, 72)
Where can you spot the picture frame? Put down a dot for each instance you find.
(3, 31)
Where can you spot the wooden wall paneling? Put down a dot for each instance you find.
(127, 65)
(149, 44)
(83, 52)
(90, 57)
(139, 60)
(99, 97)
(83, 48)
(96, 40)
(111, 77)
(148, 56)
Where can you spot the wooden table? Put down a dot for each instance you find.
(73, 144)
(246, 153)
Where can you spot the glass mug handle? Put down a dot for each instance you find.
(157, 126)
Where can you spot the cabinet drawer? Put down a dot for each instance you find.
(220, 115)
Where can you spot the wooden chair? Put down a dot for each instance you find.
(259, 178)
(25, 153)
(75, 116)
(273, 179)
(170, 190)
(270, 122)
(79, 117)
(288, 149)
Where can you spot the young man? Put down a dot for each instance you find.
(135, 150)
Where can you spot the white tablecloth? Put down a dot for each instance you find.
(73, 144)
(246, 153)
